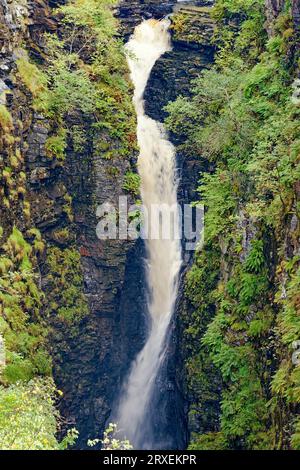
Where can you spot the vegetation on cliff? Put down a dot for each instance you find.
(77, 85)
(242, 316)
(243, 121)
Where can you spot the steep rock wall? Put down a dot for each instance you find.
(214, 269)
(104, 279)
(131, 13)
(274, 7)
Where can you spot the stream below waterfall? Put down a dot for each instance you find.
(157, 170)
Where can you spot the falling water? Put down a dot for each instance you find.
(158, 186)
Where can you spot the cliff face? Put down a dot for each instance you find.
(102, 281)
(91, 365)
(274, 7)
(238, 301)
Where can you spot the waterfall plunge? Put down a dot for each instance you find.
(158, 186)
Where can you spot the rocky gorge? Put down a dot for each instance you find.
(87, 366)
(78, 306)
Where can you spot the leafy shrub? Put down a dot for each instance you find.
(110, 441)
(132, 183)
(28, 416)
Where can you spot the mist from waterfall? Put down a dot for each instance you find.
(157, 170)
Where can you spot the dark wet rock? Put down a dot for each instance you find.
(131, 13)
(63, 197)
(274, 7)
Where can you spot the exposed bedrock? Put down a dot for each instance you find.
(89, 360)
(113, 273)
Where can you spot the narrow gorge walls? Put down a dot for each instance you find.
(242, 316)
(198, 346)
(71, 152)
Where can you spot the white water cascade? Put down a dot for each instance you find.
(158, 186)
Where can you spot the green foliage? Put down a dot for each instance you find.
(6, 121)
(87, 75)
(71, 89)
(109, 441)
(244, 412)
(241, 121)
(296, 436)
(286, 381)
(255, 259)
(289, 320)
(28, 416)
(209, 441)
(132, 183)
(240, 29)
(203, 378)
(56, 145)
(21, 301)
(218, 197)
(66, 300)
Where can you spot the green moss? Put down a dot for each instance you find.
(66, 301)
(18, 369)
(35, 80)
(62, 236)
(193, 24)
(6, 121)
(132, 183)
(56, 145)
(21, 302)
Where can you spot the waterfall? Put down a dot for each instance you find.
(157, 170)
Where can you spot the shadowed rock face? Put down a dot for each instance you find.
(274, 8)
(89, 366)
(296, 13)
(132, 12)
